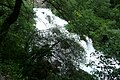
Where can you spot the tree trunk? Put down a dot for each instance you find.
(4, 28)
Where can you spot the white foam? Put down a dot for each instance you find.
(46, 19)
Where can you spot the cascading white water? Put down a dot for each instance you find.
(45, 20)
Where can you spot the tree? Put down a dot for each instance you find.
(10, 19)
(15, 30)
(52, 57)
(25, 53)
(99, 20)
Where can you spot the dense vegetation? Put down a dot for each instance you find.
(100, 21)
(27, 53)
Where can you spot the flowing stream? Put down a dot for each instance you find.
(45, 20)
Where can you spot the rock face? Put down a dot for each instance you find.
(39, 4)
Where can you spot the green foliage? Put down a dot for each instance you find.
(13, 47)
(94, 19)
(52, 53)
(97, 19)
(11, 70)
(29, 54)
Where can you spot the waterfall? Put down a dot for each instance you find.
(46, 19)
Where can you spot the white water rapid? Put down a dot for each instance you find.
(45, 20)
